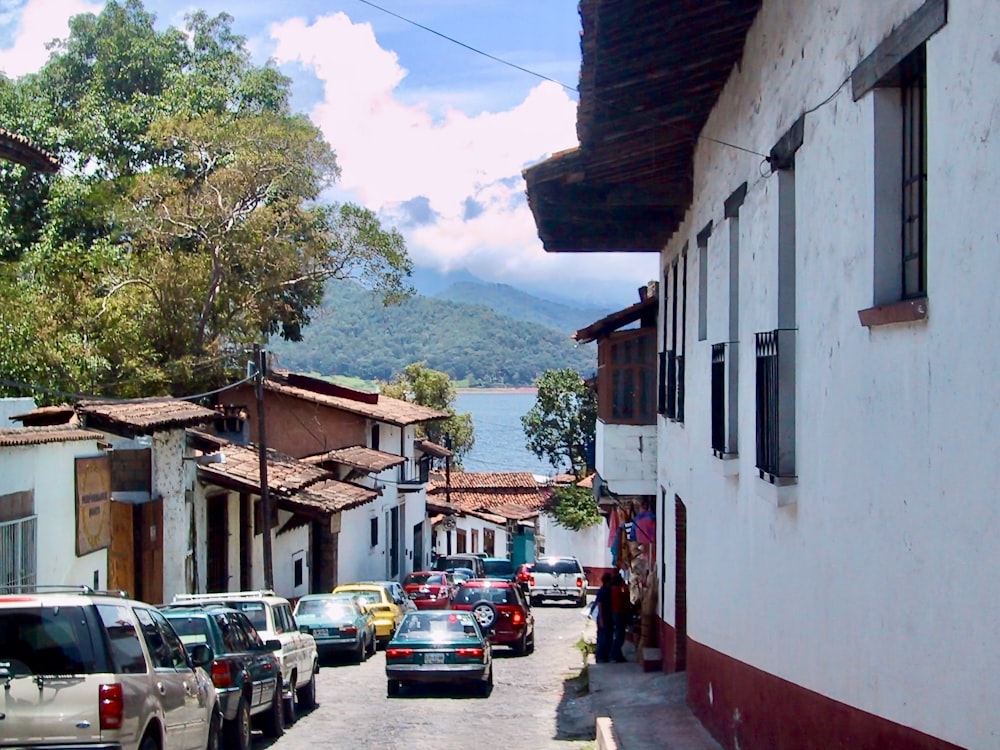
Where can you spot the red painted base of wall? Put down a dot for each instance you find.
(753, 710)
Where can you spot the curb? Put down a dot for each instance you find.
(605, 734)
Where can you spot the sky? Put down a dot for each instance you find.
(429, 134)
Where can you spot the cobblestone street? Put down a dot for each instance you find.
(536, 702)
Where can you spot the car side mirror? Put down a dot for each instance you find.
(201, 655)
(272, 645)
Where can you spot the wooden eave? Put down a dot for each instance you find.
(20, 150)
(651, 72)
(644, 311)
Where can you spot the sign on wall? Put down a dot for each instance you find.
(93, 504)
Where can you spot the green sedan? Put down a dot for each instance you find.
(439, 647)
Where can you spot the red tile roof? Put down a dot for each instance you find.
(489, 480)
(20, 150)
(40, 435)
(359, 457)
(389, 410)
(143, 416)
(513, 495)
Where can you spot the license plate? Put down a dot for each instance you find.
(321, 632)
(433, 658)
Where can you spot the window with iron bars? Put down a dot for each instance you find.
(776, 404)
(19, 552)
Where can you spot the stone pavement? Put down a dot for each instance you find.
(639, 710)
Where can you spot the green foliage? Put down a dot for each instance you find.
(561, 425)
(354, 334)
(573, 507)
(420, 385)
(187, 222)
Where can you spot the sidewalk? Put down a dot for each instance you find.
(639, 710)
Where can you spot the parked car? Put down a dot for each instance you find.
(429, 589)
(272, 616)
(508, 618)
(245, 671)
(558, 578)
(461, 560)
(499, 567)
(523, 576)
(87, 669)
(398, 594)
(439, 647)
(376, 597)
(340, 624)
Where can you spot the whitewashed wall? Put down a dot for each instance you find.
(285, 550)
(883, 569)
(169, 483)
(626, 457)
(49, 470)
(589, 545)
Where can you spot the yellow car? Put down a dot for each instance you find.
(379, 602)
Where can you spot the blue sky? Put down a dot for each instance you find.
(428, 133)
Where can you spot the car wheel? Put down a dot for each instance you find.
(486, 686)
(361, 652)
(215, 731)
(289, 703)
(149, 742)
(535, 601)
(392, 688)
(307, 693)
(531, 643)
(582, 601)
(485, 613)
(237, 732)
(521, 647)
(372, 644)
(273, 722)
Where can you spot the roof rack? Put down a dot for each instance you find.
(222, 596)
(59, 588)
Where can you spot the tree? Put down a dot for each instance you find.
(573, 507)
(560, 426)
(189, 221)
(420, 385)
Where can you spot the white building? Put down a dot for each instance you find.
(819, 180)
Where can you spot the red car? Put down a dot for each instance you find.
(501, 609)
(429, 589)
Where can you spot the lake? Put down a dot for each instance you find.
(499, 435)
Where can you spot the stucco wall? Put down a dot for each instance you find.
(626, 457)
(169, 483)
(877, 587)
(589, 545)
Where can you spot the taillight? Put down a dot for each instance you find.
(398, 653)
(531, 580)
(349, 630)
(579, 582)
(221, 675)
(112, 706)
(517, 618)
(470, 653)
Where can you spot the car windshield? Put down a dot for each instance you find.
(440, 627)
(192, 630)
(499, 567)
(256, 611)
(46, 641)
(557, 567)
(326, 608)
(497, 595)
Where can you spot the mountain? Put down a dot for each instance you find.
(513, 303)
(352, 334)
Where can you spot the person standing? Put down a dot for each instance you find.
(621, 610)
(605, 621)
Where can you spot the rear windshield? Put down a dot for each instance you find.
(454, 561)
(48, 641)
(192, 630)
(256, 611)
(439, 627)
(499, 567)
(473, 594)
(557, 567)
(420, 579)
(330, 609)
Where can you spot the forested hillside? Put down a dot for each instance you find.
(513, 303)
(353, 335)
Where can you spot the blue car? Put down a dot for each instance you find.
(340, 623)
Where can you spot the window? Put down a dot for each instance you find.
(18, 552)
(489, 541)
(671, 393)
(375, 437)
(373, 532)
(627, 377)
(895, 75)
(725, 354)
(475, 540)
(460, 540)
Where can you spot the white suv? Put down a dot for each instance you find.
(272, 616)
(96, 670)
(558, 578)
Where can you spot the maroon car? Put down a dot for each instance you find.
(501, 609)
(429, 589)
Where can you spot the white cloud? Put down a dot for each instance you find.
(41, 22)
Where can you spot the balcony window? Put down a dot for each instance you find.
(627, 377)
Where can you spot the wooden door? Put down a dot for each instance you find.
(151, 551)
(121, 552)
(217, 575)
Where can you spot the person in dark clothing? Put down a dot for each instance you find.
(621, 609)
(605, 621)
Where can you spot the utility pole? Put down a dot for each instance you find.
(265, 496)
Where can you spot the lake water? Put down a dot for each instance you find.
(499, 435)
